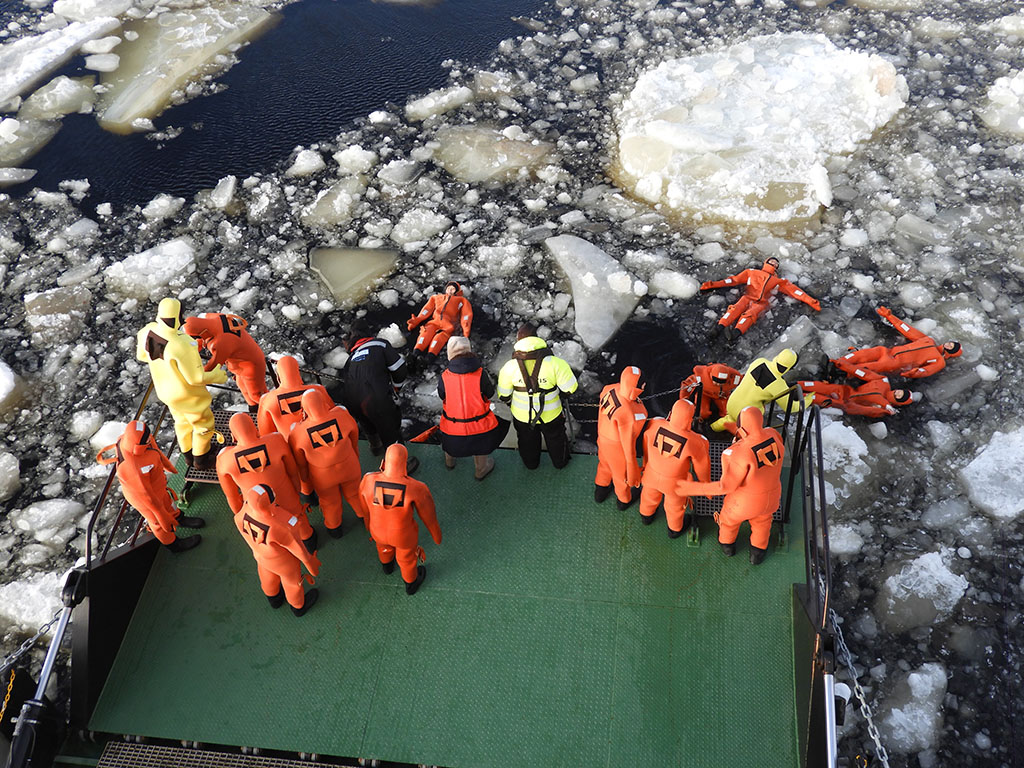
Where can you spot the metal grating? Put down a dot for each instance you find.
(708, 507)
(120, 754)
(220, 424)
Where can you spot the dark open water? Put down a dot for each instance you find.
(326, 63)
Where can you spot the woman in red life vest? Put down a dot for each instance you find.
(469, 426)
(266, 460)
(229, 343)
(325, 445)
(671, 451)
(279, 554)
(281, 407)
(751, 482)
(439, 316)
(391, 499)
(140, 470)
(620, 420)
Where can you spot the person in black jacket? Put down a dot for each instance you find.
(372, 376)
(469, 426)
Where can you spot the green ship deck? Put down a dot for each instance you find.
(551, 631)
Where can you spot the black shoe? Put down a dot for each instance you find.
(190, 460)
(715, 332)
(675, 534)
(183, 545)
(277, 600)
(308, 498)
(310, 543)
(411, 465)
(634, 494)
(757, 555)
(731, 333)
(388, 567)
(307, 602)
(646, 519)
(208, 461)
(335, 533)
(601, 492)
(254, 408)
(728, 549)
(421, 574)
(376, 444)
(191, 522)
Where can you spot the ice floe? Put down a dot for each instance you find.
(992, 480)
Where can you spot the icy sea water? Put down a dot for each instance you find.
(946, 687)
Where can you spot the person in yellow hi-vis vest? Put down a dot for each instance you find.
(763, 382)
(180, 381)
(533, 382)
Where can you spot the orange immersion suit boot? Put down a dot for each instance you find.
(281, 407)
(278, 551)
(439, 317)
(265, 460)
(752, 484)
(620, 420)
(922, 357)
(140, 470)
(325, 445)
(875, 398)
(391, 498)
(716, 381)
(229, 343)
(180, 381)
(672, 450)
(760, 284)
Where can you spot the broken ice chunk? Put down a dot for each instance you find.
(334, 206)
(61, 96)
(12, 388)
(307, 162)
(1004, 111)
(149, 274)
(418, 225)
(924, 590)
(102, 62)
(474, 153)
(600, 311)
(21, 139)
(351, 273)
(57, 315)
(990, 479)
(438, 102)
(11, 176)
(85, 10)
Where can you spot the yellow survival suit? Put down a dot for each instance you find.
(762, 383)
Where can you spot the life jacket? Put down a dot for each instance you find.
(466, 411)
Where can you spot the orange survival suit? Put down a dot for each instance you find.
(620, 420)
(761, 284)
(282, 406)
(325, 445)
(265, 460)
(140, 470)
(391, 498)
(751, 482)
(671, 450)
(717, 382)
(444, 310)
(922, 357)
(279, 554)
(229, 343)
(875, 398)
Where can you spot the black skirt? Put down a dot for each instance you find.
(475, 445)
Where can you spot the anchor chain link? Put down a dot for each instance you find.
(25, 646)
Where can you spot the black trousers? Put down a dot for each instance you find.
(377, 415)
(554, 435)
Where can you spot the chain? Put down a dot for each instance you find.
(10, 660)
(862, 699)
(7, 697)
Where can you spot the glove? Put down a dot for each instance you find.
(884, 311)
(411, 322)
(816, 306)
(220, 375)
(706, 286)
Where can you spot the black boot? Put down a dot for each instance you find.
(208, 460)
(307, 603)
(310, 543)
(646, 519)
(388, 567)
(183, 545)
(634, 494)
(376, 444)
(728, 549)
(757, 555)
(191, 522)
(687, 522)
(421, 574)
(411, 465)
(601, 492)
(335, 533)
(277, 600)
(190, 460)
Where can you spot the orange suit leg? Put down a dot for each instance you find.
(750, 315)
(407, 562)
(163, 535)
(350, 490)
(862, 360)
(734, 311)
(650, 498)
(675, 510)
(253, 386)
(439, 341)
(760, 531)
(727, 531)
(286, 573)
(611, 468)
(427, 332)
(329, 493)
(385, 553)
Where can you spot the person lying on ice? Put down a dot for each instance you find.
(761, 284)
(620, 420)
(439, 316)
(752, 484)
(716, 381)
(229, 343)
(875, 398)
(922, 357)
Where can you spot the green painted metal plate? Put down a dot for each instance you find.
(550, 631)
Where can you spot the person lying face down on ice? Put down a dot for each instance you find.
(141, 468)
(672, 451)
(230, 344)
(620, 420)
(922, 356)
(761, 283)
(751, 482)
